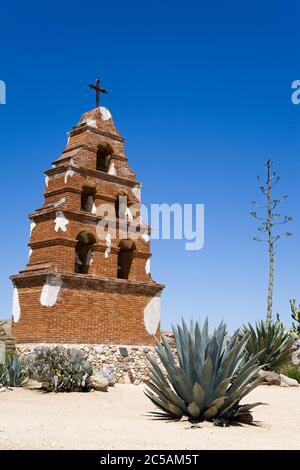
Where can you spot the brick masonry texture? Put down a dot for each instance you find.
(97, 306)
(132, 368)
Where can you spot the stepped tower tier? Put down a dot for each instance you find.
(88, 276)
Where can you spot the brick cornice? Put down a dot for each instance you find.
(71, 242)
(107, 177)
(86, 128)
(79, 281)
(66, 189)
(50, 212)
(118, 180)
(53, 242)
(70, 189)
(142, 254)
(63, 159)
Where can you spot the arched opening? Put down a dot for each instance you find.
(84, 252)
(125, 258)
(121, 205)
(104, 154)
(88, 198)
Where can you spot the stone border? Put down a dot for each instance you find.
(128, 364)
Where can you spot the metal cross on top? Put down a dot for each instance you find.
(98, 90)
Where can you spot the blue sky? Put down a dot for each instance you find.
(201, 91)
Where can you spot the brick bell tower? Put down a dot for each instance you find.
(82, 284)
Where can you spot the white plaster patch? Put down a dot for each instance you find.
(148, 266)
(108, 245)
(61, 222)
(30, 253)
(16, 309)
(94, 209)
(128, 214)
(60, 202)
(112, 169)
(32, 226)
(50, 291)
(105, 113)
(152, 315)
(69, 173)
(137, 192)
(91, 122)
(146, 237)
(47, 180)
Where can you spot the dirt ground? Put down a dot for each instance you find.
(119, 419)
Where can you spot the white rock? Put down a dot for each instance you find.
(287, 381)
(32, 384)
(125, 379)
(98, 382)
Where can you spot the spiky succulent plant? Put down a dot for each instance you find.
(59, 369)
(295, 316)
(273, 340)
(206, 377)
(11, 372)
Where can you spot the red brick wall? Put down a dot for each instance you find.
(91, 308)
(83, 314)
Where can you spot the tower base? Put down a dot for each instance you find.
(53, 307)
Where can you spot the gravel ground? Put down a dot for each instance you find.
(119, 419)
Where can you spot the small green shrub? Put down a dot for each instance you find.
(272, 340)
(205, 379)
(59, 369)
(11, 372)
(291, 371)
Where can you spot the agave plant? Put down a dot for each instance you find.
(205, 379)
(295, 316)
(59, 369)
(11, 372)
(272, 340)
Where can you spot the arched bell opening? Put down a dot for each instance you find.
(125, 258)
(121, 203)
(123, 207)
(84, 252)
(104, 154)
(88, 198)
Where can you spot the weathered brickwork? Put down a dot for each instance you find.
(78, 287)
